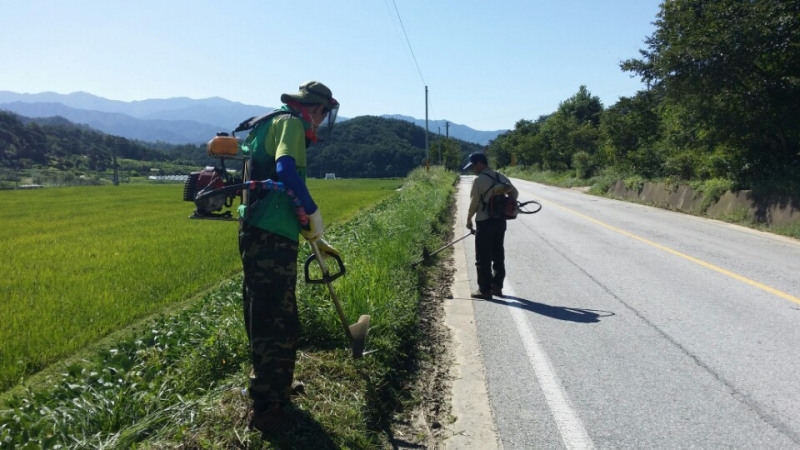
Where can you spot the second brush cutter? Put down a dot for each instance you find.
(426, 254)
(357, 332)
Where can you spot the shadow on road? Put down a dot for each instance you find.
(556, 312)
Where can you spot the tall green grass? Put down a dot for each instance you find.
(176, 382)
(81, 262)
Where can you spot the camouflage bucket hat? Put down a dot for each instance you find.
(312, 92)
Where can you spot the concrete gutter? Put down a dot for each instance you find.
(474, 426)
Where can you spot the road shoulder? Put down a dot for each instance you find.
(474, 425)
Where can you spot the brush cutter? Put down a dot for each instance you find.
(357, 332)
(519, 208)
(426, 254)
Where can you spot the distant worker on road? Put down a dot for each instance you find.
(268, 244)
(491, 227)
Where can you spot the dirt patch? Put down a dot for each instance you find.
(422, 425)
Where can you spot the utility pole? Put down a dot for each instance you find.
(440, 143)
(447, 129)
(427, 154)
(115, 178)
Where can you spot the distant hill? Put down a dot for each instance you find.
(362, 147)
(370, 146)
(457, 131)
(118, 124)
(178, 120)
(141, 109)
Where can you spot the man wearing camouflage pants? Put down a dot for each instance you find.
(268, 244)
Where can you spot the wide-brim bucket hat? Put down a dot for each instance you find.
(312, 92)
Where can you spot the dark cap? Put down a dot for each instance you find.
(312, 92)
(476, 158)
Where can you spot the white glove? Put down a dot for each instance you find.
(315, 227)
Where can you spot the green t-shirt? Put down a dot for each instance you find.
(284, 135)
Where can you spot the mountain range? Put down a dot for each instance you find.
(178, 120)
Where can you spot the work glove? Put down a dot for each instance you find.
(470, 226)
(315, 227)
(326, 248)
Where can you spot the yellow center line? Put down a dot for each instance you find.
(728, 273)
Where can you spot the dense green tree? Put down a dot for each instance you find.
(730, 72)
(551, 141)
(629, 134)
(448, 153)
(583, 107)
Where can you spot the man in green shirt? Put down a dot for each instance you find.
(268, 244)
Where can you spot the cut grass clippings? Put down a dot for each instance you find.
(178, 383)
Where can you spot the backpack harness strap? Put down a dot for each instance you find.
(255, 120)
(484, 203)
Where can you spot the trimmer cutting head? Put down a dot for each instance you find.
(358, 333)
(425, 253)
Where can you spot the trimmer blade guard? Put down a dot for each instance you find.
(358, 331)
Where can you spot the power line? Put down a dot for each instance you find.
(408, 42)
(411, 50)
(391, 19)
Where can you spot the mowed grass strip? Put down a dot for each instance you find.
(82, 262)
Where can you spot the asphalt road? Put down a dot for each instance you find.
(626, 326)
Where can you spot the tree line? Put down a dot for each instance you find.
(722, 102)
(362, 147)
(57, 143)
(369, 147)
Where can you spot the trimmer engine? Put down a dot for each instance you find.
(207, 180)
(200, 184)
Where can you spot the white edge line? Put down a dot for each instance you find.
(569, 425)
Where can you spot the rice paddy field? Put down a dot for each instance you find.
(79, 263)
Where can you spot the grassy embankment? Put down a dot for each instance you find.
(175, 380)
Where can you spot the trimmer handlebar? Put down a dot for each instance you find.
(327, 277)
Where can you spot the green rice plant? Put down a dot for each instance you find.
(82, 262)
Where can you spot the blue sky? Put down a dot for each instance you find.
(487, 64)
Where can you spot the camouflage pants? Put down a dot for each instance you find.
(270, 312)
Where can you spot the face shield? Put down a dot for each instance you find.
(332, 110)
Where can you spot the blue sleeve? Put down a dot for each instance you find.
(287, 173)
